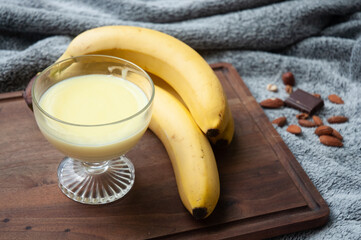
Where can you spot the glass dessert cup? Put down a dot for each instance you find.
(95, 170)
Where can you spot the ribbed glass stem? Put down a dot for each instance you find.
(96, 183)
(96, 168)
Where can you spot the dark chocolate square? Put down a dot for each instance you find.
(304, 101)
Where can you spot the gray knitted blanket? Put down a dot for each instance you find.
(318, 40)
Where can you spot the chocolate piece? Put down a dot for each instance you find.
(304, 101)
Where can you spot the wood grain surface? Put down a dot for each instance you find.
(264, 190)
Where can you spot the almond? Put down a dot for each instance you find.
(288, 78)
(330, 141)
(294, 129)
(281, 121)
(317, 95)
(306, 123)
(336, 134)
(335, 99)
(302, 116)
(337, 119)
(323, 130)
(317, 120)
(272, 88)
(272, 103)
(289, 89)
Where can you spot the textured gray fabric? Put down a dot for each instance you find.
(319, 41)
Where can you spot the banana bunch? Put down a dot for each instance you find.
(189, 106)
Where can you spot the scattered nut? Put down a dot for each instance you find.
(323, 130)
(317, 95)
(281, 121)
(289, 89)
(330, 141)
(336, 134)
(272, 88)
(337, 119)
(302, 116)
(335, 99)
(272, 103)
(294, 129)
(317, 120)
(288, 78)
(306, 123)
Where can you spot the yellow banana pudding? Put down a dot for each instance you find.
(88, 116)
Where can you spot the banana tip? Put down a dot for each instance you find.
(212, 132)
(199, 213)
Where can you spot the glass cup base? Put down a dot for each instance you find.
(96, 183)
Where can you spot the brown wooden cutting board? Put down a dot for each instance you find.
(264, 190)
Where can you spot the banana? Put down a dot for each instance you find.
(165, 86)
(225, 138)
(167, 57)
(190, 153)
